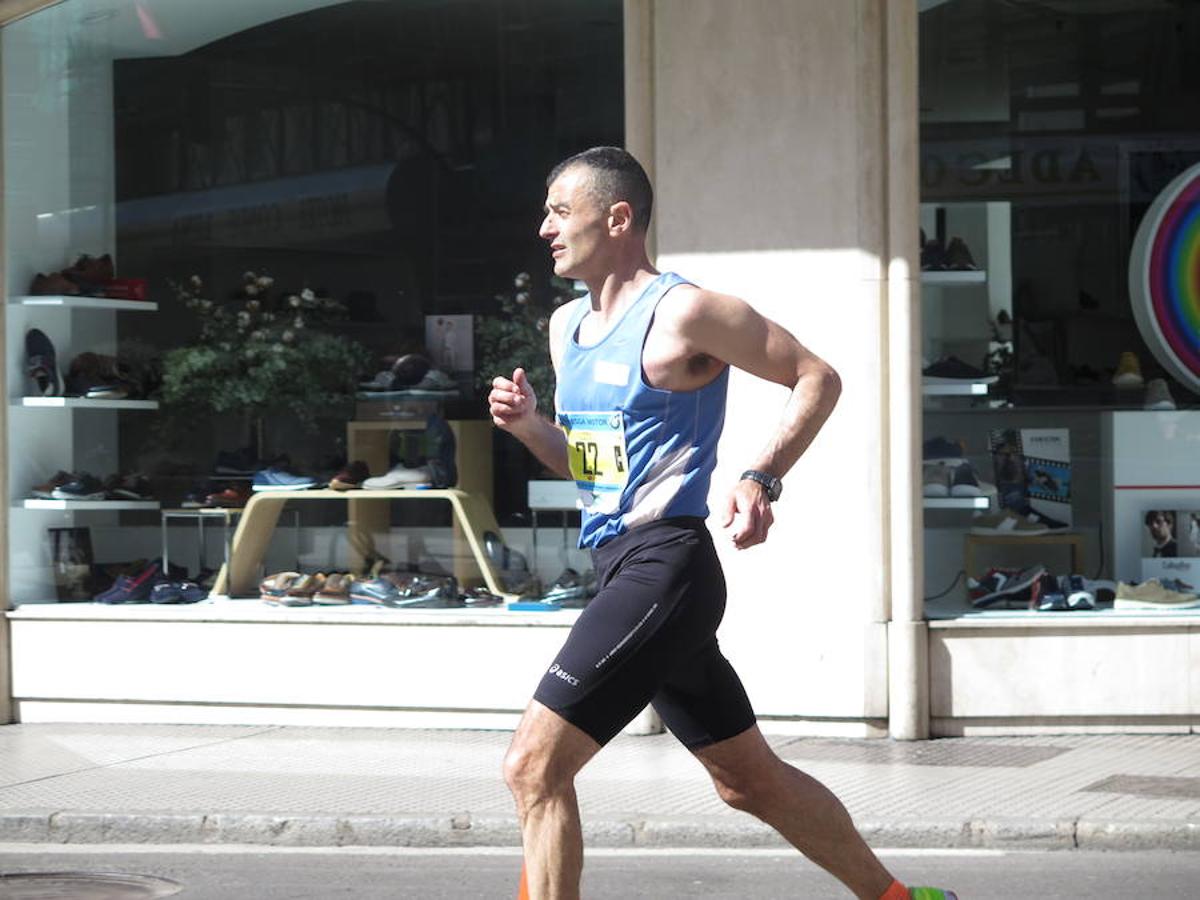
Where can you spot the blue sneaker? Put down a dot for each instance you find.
(277, 479)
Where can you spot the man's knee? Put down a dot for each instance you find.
(531, 770)
(749, 789)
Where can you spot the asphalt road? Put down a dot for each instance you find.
(255, 873)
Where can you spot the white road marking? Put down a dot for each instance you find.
(251, 849)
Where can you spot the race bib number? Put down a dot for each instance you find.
(596, 453)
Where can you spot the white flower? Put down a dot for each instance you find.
(243, 319)
(293, 300)
(196, 282)
(541, 324)
(253, 305)
(522, 280)
(287, 337)
(298, 322)
(307, 296)
(248, 276)
(522, 297)
(257, 335)
(277, 348)
(268, 317)
(205, 304)
(251, 290)
(265, 281)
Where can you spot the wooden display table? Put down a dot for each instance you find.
(1072, 539)
(473, 517)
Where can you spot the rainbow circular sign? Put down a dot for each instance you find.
(1164, 278)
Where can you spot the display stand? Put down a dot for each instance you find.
(473, 517)
(1072, 539)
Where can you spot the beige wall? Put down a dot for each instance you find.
(770, 153)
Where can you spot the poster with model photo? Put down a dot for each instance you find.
(1033, 472)
(449, 340)
(1171, 544)
(1159, 538)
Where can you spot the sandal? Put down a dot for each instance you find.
(335, 591)
(273, 588)
(301, 591)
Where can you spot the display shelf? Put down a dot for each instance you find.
(956, 502)
(74, 302)
(957, 389)
(71, 505)
(85, 403)
(954, 278)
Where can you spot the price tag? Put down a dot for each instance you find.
(597, 457)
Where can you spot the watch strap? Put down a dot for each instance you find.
(773, 485)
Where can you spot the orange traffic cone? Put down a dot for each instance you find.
(523, 889)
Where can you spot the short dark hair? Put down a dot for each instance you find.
(616, 176)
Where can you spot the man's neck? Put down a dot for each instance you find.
(616, 289)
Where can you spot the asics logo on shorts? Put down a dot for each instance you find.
(566, 676)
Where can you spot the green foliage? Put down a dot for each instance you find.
(518, 334)
(256, 354)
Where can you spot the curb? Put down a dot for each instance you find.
(465, 830)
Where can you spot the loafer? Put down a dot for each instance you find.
(351, 477)
(177, 592)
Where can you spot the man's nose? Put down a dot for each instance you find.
(546, 230)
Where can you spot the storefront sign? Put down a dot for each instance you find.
(1164, 278)
(1011, 169)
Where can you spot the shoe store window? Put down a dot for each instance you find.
(265, 246)
(1060, 190)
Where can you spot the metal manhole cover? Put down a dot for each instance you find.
(84, 886)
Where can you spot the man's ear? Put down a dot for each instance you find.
(620, 217)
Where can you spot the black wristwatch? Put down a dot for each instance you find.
(773, 485)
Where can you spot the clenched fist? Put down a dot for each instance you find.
(512, 402)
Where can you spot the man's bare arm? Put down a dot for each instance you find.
(513, 407)
(730, 330)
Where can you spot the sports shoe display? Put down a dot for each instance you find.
(1003, 585)
(964, 482)
(936, 448)
(935, 480)
(1158, 395)
(1156, 594)
(351, 477)
(400, 477)
(279, 479)
(1129, 371)
(1006, 522)
(41, 364)
(952, 370)
(958, 256)
(82, 486)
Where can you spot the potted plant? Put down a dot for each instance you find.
(261, 352)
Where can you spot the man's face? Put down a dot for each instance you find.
(575, 225)
(1160, 528)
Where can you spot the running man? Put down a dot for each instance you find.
(642, 363)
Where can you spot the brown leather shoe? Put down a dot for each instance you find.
(52, 285)
(91, 270)
(351, 477)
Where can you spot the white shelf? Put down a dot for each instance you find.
(952, 278)
(956, 389)
(84, 403)
(73, 302)
(33, 503)
(956, 502)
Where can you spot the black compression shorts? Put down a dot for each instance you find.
(649, 635)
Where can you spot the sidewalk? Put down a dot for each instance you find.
(329, 786)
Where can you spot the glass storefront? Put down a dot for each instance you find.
(278, 237)
(1059, 166)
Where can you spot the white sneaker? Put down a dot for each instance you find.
(1158, 395)
(400, 476)
(1006, 522)
(935, 479)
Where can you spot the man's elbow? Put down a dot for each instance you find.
(825, 382)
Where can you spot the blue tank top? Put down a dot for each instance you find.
(637, 453)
